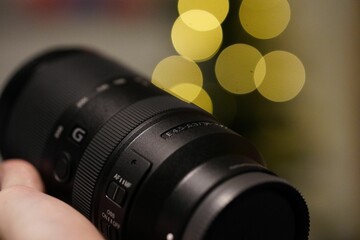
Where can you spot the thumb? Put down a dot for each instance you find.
(19, 173)
(27, 213)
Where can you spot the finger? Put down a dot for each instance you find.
(28, 214)
(19, 173)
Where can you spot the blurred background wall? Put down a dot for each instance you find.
(312, 140)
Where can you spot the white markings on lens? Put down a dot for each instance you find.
(102, 88)
(117, 177)
(170, 236)
(82, 102)
(78, 134)
(119, 81)
(58, 132)
(187, 126)
(109, 216)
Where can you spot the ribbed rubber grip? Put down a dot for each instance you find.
(107, 139)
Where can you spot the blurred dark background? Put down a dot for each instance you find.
(311, 140)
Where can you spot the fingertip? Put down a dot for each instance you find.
(17, 172)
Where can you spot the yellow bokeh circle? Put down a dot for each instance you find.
(219, 8)
(284, 78)
(197, 34)
(264, 19)
(204, 101)
(187, 91)
(235, 68)
(175, 70)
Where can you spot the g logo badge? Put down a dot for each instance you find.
(78, 134)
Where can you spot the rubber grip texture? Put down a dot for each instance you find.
(108, 138)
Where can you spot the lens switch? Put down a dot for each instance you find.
(111, 190)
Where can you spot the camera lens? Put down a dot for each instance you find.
(138, 162)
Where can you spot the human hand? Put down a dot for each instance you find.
(26, 212)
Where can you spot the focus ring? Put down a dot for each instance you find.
(107, 139)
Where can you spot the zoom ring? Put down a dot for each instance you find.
(107, 139)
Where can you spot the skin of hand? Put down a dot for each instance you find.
(26, 212)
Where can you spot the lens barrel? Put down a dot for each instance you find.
(138, 162)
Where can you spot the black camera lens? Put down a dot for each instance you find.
(138, 162)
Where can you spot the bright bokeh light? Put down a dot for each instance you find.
(197, 34)
(264, 19)
(177, 70)
(204, 101)
(240, 68)
(284, 78)
(235, 68)
(219, 8)
(193, 94)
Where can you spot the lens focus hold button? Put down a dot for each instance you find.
(62, 168)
